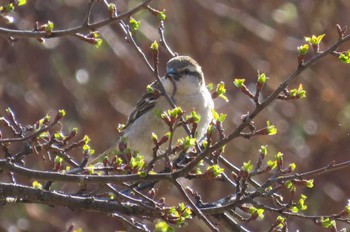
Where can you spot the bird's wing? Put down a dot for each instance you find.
(146, 103)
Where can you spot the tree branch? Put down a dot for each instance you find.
(71, 31)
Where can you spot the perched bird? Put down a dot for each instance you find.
(184, 83)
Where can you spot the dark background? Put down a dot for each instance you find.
(230, 39)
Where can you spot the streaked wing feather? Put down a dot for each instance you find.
(146, 103)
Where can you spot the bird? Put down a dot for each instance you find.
(184, 82)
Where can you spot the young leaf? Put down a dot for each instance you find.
(162, 15)
(271, 129)
(345, 57)
(239, 82)
(303, 49)
(154, 45)
(37, 185)
(216, 170)
(247, 166)
(262, 78)
(134, 24)
(314, 40)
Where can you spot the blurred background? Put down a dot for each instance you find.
(98, 87)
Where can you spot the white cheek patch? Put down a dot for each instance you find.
(170, 86)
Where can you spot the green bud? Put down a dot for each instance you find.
(239, 82)
(134, 24)
(303, 49)
(154, 45)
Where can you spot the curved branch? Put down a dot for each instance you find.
(74, 30)
(76, 178)
(14, 193)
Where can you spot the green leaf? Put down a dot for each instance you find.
(154, 137)
(181, 206)
(279, 156)
(300, 92)
(216, 170)
(271, 129)
(162, 226)
(281, 220)
(259, 212)
(98, 42)
(187, 142)
(196, 117)
(86, 147)
(301, 202)
(120, 127)
(134, 24)
(262, 78)
(149, 89)
(247, 166)
(162, 15)
(86, 139)
(9, 7)
(91, 169)
(218, 117)
(215, 115)
(174, 113)
(263, 149)
(137, 162)
(173, 212)
(239, 82)
(44, 134)
(187, 213)
(272, 164)
(37, 185)
(112, 9)
(142, 174)
(221, 90)
(22, 2)
(58, 160)
(294, 209)
(292, 166)
(222, 117)
(289, 185)
(310, 183)
(345, 57)
(154, 45)
(210, 86)
(347, 209)
(58, 136)
(314, 40)
(49, 26)
(328, 223)
(303, 49)
(62, 112)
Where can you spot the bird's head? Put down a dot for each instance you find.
(185, 73)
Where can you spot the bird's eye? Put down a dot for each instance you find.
(187, 70)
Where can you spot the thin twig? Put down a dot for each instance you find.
(88, 15)
(194, 207)
(162, 39)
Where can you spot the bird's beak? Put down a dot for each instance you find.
(173, 74)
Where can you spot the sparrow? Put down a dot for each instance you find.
(184, 83)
